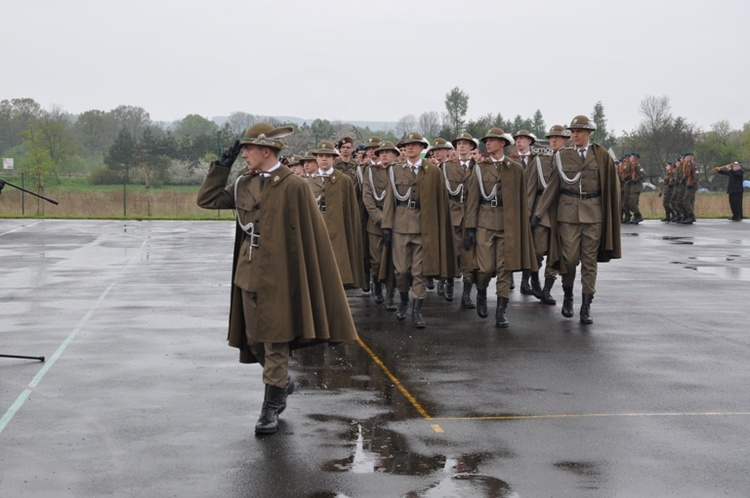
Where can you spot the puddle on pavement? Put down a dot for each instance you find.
(375, 449)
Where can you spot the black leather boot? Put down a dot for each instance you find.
(268, 423)
(441, 287)
(567, 306)
(501, 321)
(667, 216)
(416, 315)
(586, 309)
(288, 389)
(449, 290)
(626, 221)
(547, 291)
(482, 303)
(525, 287)
(637, 218)
(677, 217)
(378, 292)
(430, 284)
(390, 300)
(536, 288)
(402, 306)
(466, 302)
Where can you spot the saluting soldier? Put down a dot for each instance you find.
(337, 202)
(416, 224)
(376, 184)
(537, 180)
(284, 271)
(585, 187)
(496, 225)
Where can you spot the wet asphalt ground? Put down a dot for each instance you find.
(140, 396)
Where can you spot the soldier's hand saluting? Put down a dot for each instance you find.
(229, 155)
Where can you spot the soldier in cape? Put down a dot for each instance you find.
(283, 271)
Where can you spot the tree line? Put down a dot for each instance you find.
(125, 145)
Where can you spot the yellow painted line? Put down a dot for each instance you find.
(396, 382)
(436, 428)
(594, 415)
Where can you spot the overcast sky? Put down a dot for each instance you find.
(378, 61)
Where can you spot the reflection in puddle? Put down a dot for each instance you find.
(466, 486)
(730, 272)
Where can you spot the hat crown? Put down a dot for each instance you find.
(266, 135)
(582, 122)
(557, 131)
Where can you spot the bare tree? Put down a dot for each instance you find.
(406, 124)
(429, 124)
(239, 122)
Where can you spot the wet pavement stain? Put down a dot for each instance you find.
(590, 473)
(466, 486)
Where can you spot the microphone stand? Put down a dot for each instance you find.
(3, 183)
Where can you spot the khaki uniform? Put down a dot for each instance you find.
(374, 190)
(285, 287)
(586, 192)
(455, 175)
(422, 244)
(504, 243)
(337, 202)
(636, 176)
(538, 175)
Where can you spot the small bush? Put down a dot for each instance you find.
(105, 176)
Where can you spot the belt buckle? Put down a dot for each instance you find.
(493, 202)
(322, 208)
(255, 240)
(412, 205)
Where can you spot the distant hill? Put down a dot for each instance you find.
(372, 125)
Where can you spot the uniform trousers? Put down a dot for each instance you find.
(407, 254)
(580, 243)
(735, 204)
(634, 200)
(541, 236)
(688, 200)
(375, 242)
(490, 250)
(458, 245)
(273, 356)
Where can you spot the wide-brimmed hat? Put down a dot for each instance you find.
(465, 136)
(294, 160)
(325, 147)
(582, 122)
(307, 156)
(525, 133)
(415, 138)
(266, 135)
(373, 142)
(441, 143)
(497, 133)
(557, 131)
(386, 145)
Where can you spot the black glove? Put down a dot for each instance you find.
(535, 221)
(470, 237)
(387, 236)
(229, 155)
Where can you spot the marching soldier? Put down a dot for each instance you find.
(538, 178)
(456, 173)
(439, 155)
(624, 172)
(524, 140)
(416, 225)
(667, 189)
(376, 183)
(337, 202)
(690, 174)
(497, 224)
(295, 165)
(286, 292)
(636, 175)
(679, 191)
(585, 188)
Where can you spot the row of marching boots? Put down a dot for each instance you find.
(679, 217)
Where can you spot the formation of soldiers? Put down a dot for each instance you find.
(408, 216)
(631, 175)
(678, 190)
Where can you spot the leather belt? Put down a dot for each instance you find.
(494, 202)
(408, 204)
(581, 195)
